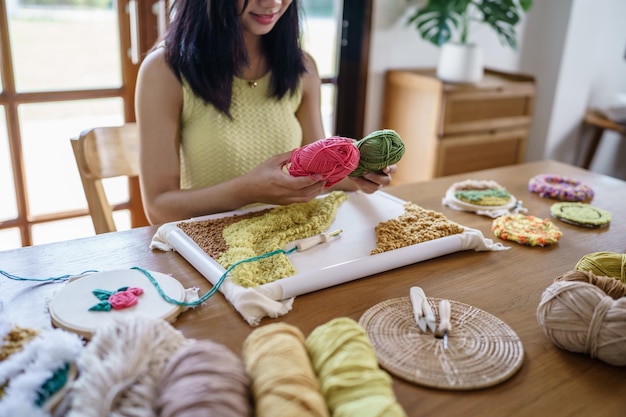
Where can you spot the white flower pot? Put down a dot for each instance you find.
(459, 63)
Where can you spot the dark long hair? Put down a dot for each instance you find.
(205, 46)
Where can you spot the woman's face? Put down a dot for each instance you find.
(260, 16)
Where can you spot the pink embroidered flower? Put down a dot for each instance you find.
(135, 290)
(125, 299)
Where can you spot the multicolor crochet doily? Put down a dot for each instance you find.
(526, 229)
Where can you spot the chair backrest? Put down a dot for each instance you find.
(107, 152)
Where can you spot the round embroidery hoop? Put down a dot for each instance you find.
(450, 199)
(482, 350)
(69, 307)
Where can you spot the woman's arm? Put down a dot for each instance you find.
(309, 113)
(159, 100)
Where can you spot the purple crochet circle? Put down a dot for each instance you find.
(560, 188)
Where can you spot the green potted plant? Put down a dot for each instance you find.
(448, 23)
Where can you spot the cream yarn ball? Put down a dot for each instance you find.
(584, 313)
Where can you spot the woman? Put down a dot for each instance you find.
(220, 105)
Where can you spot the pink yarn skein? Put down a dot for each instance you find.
(330, 159)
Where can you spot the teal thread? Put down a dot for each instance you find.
(217, 285)
(61, 278)
(154, 282)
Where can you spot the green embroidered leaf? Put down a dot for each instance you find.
(101, 306)
(102, 295)
(121, 289)
(52, 385)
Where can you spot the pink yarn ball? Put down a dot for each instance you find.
(330, 159)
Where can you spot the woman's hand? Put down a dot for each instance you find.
(269, 183)
(373, 181)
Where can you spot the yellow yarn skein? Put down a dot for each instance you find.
(605, 264)
(283, 381)
(350, 379)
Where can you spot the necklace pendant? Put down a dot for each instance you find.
(252, 84)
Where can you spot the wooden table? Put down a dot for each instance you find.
(551, 382)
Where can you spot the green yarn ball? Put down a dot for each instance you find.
(604, 264)
(378, 150)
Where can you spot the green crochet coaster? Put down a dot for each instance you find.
(580, 214)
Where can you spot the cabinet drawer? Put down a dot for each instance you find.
(478, 110)
(498, 101)
(466, 153)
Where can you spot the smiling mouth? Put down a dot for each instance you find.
(265, 19)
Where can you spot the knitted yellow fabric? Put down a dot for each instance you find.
(214, 148)
(273, 230)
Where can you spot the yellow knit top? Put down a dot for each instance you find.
(214, 148)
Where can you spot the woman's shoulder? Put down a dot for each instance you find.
(155, 71)
(310, 65)
(311, 78)
(155, 62)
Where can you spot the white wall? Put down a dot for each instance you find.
(395, 44)
(590, 38)
(541, 55)
(574, 48)
(596, 42)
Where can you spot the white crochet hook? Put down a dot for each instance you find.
(309, 242)
(444, 322)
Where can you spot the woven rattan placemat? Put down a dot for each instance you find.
(482, 350)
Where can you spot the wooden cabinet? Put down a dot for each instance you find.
(454, 128)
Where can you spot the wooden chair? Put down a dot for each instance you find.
(108, 152)
(599, 123)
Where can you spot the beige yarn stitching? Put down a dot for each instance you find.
(415, 225)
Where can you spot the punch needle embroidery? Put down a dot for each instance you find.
(118, 300)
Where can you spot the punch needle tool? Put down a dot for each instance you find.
(422, 312)
(444, 322)
(309, 242)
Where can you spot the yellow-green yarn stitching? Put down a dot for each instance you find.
(486, 197)
(255, 236)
